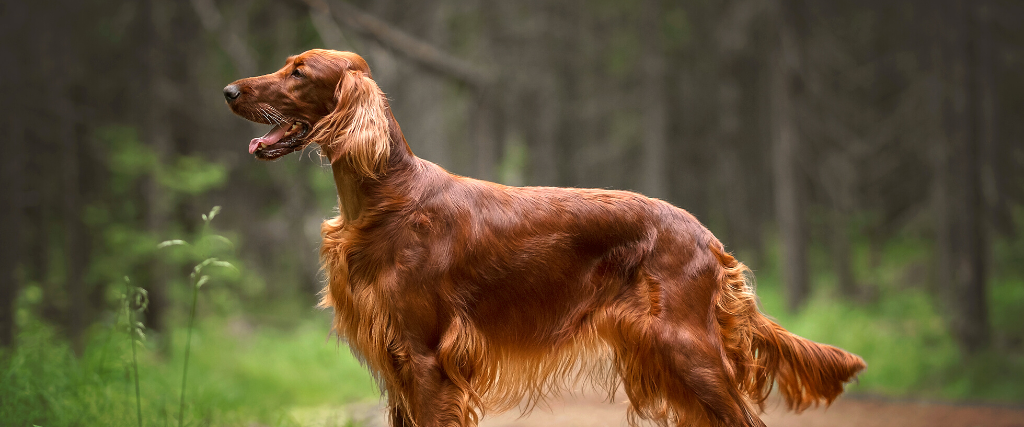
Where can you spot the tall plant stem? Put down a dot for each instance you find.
(135, 361)
(188, 348)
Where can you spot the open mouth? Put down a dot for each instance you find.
(283, 138)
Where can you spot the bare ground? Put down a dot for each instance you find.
(589, 410)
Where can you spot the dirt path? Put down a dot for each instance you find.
(588, 410)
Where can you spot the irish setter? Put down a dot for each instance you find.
(464, 296)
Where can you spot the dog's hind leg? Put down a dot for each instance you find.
(695, 372)
(675, 377)
(671, 361)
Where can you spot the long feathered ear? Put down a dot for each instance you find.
(357, 129)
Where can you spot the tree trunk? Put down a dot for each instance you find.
(11, 223)
(544, 156)
(961, 233)
(12, 174)
(425, 92)
(483, 134)
(841, 256)
(74, 252)
(157, 134)
(789, 204)
(653, 103)
(992, 183)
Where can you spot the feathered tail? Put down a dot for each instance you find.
(761, 352)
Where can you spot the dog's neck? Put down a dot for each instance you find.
(354, 189)
(351, 200)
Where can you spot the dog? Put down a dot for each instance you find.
(463, 296)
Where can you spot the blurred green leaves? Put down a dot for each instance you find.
(191, 175)
(131, 159)
(123, 242)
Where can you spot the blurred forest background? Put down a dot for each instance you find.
(865, 157)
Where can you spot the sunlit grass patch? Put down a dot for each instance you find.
(240, 374)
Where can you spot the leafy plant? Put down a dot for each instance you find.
(197, 279)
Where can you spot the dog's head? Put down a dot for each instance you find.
(321, 96)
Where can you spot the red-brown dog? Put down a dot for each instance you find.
(463, 296)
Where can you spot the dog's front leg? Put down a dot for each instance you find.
(427, 397)
(398, 415)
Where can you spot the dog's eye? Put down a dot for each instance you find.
(296, 73)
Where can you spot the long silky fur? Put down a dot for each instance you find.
(492, 378)
(357, 129)
(630, 338)
(361, 315)
(761, 352)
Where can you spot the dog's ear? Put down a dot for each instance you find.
(357, 130)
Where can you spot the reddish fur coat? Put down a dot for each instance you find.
(463, 296)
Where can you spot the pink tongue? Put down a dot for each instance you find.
(271, 137)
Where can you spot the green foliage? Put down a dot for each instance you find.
(128, 157)
(902, 332)
(191, 175)
(197, 280)
(206, 244)
(241, 375)
(131, 159)
(121, 243)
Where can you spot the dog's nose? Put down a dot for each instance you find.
(231, 92)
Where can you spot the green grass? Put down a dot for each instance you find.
(240, 374)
